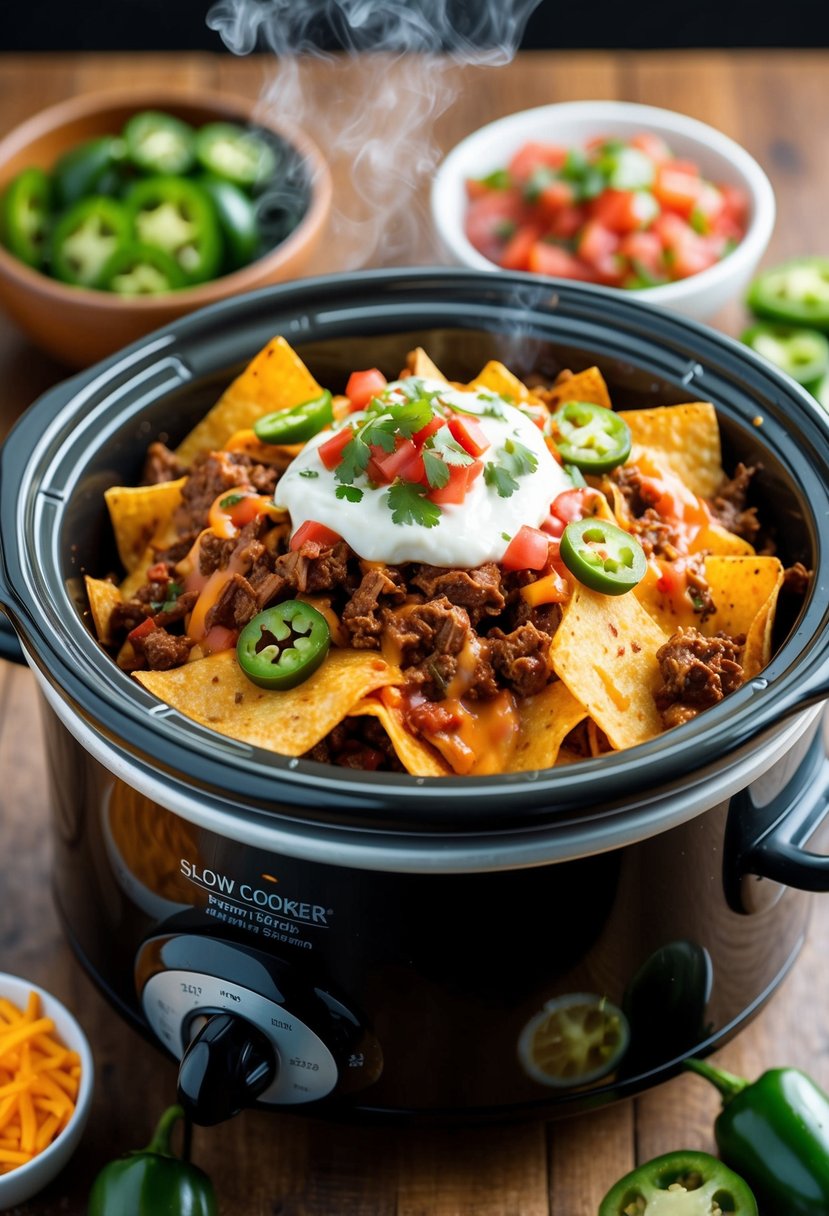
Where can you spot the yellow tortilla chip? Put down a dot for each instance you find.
(419, 364)
(499, 379)
(685, 438)
(141, 515)
(278, 454)
(103, 596)
(587, 385)
(276, 379)
(717, 539)
(604, 650)
(546, 720)
(214, 692)
(416, 756)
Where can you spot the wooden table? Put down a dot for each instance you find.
(267, 1165)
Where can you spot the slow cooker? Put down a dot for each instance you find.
(378, 945)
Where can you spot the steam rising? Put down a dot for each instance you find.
(373, 120)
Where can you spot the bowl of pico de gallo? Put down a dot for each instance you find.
(630, 196)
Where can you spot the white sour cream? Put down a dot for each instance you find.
(469, 533)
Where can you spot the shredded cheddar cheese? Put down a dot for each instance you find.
(39, 1081)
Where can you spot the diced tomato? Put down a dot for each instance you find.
(315, 532)
(644, 251)
(420, 437)
(653, 146)
(331, 452)
(598, 247)
(516, 252)
(528, 550)
(691, 255)
(469, 434)
(457, 487)
(141, 631)
(735, 205)
(553, 525)
(534, 156)
(707, 208)
(566, 222)
(555, 261)
(391, 464)
(574, 504)
(475, 188)
(492, 219)
(625, 210)
(158, 573)
(555, 196)
(678, 186)
(414, 469)
(362, 386)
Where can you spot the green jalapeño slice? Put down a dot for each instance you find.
(298, 424)
(680, 1184)
(602, 556)
(592, 438)
(284, 645)
(802, 353)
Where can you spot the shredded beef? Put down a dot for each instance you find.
(656, 536)
(729, 504)
(211, 476)
(179, 609)
(160, 465)
(236, 605)
(696, 672)
(423, 630)
(360, 743)
(360, 617)
(162, 650)
(479, 591)
(214, 553)
(796, 579)
(179, 549)
(521, 657)
(126, 616)
(313, 567)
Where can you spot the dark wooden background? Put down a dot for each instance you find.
(268, 1165)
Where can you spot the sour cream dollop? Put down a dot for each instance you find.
(467, 534)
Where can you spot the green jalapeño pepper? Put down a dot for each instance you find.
(159, 143)
(591, 437)
(154, 1181)
(86, 237)
(796, 293)
(680, 1184)
(602, 556)
(298, 424)
(177, 216)
(91, 168)
(237, 220)
(802, 353)
(775, 1131)
(24, 215)
(283, 645)
(231, 152)
(140, 270)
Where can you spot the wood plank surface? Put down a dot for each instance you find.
(267, 1165)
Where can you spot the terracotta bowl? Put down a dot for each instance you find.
(80, 326)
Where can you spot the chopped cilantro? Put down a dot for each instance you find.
(230, 500)
(497, 476)
(514, 461)
(505, 536)
(353, 461)
(523, 460)
(499, 179)
(409, 505)
(437, 471)
(350, 493)
(444, 442)
(308, 473)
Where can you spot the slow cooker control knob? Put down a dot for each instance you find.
(227, 1066)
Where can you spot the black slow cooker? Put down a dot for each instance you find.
(352, 943)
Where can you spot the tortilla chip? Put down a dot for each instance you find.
(717, 539)
(419, 364)
(275, 379)
(499, 379)
(685, 438)
(103, 596)
(215, 692)
(546, 720)
(278, 454)
(587, 385)
(140, 515)
(604, 650)
(416, 756)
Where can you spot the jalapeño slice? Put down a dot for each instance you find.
(91, 168)
(297, 424)
(283, 645)
(176, 215)
(685, 1183)
(238, 155)
(24, 215)
(140, 270)
(86, 237)
(796, 293)
(802, 353)
(160, 143)
(592, 438)
(602, 556)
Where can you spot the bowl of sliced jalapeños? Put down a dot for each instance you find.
(121, 211)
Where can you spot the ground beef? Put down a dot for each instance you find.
(236, 605)
(214, 553)
(521, 657)
(179, 609)
(699, 592)
(127, 616)
(313, 567)
(696, 672)
(179, 549)
(161, 465)
(359, 742)
(379, 587)
(796, 579)
(657, 536)
(479, 591)
(162, 650)
(729, 504)
(211, 476)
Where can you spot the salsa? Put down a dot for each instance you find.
(622, 212)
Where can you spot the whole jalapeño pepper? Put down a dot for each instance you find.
(153, 1181)
(775, 1133)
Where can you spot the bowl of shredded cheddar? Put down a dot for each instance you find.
(46, 1081)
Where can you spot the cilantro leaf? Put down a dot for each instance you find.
(500, 478)
(350, 493)
(230, 500)
(353, 461)
(445, 443)
(409, 505)
(412, 416)
(437, 471)
(308, 473)
(522, 459)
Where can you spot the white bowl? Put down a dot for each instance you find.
(25, 1181)
(573, 123)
